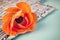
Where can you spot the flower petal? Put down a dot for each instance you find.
(30, 18)
(6, 17)
(12, 10)
(26, 10)
(24, 6)
(32, 27)
(17, 29)
(34, 17)
(14, 17)
(6, 27)
(22, 31)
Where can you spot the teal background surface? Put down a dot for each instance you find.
(48, 28)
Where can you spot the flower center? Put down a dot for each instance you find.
(19, 20)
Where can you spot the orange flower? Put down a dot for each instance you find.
(19, 20)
